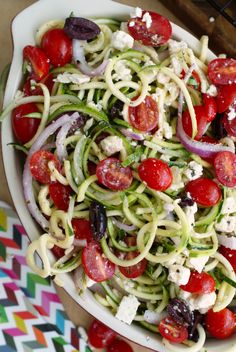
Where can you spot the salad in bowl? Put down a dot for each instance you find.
(126, 131)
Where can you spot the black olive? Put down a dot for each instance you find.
(98, 220)
(80, 122)
(81, 28)
(217, 126)
(192, 329)
(116, 109)
(180, 312)
(186, 201)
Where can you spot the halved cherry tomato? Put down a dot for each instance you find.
(112, 175)
(60, 195)
(58, 251)
(229, 254)
(39, 165)
(38, 60)
(204, 191)
(156, 173)
(157, 34)
(119, 346)
(225, 97)
(210, 106)
(100, 335)
(144, 117)
(28, 89)
(172, 331)
(222, 71)
(24, 128)
(220, 324)
(201, 118)
(95, 264)
(82, 229)
(225, 168)
(230, 125)
(57, 46)
(199, 283)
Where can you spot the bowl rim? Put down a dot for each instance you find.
(24, 26)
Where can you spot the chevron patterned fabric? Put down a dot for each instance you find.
(32, 317)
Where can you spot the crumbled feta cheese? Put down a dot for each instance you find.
(97, 106)
(227, 224)
(179, 274)
(177, 65)
(175, 46)
(162, 78)
(122, 72)
(212, 91)
(177, 260)
(231, 114)
(177, 182)
(137, 12)
(167, 130)
(190, 212)
(147, 19)
(198, 263)
(202, 302)
(74, 78)
(152, 317)
(229, 206)
(111, 145)
(227, 241)
(193, 171)
(122, 41)
(172, 93)
(127, 309)
(169, 207)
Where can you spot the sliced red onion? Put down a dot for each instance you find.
(79, 58)
(60, 140)
(125, 227)
(27, 177)
(133, 135)
(79, 243)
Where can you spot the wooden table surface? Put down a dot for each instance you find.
(9, 9)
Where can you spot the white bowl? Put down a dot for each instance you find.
(24, 27)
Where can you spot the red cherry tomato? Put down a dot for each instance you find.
(204, 191)
(201, 122)
(99, 335)
(136, 270)
(144, 117)
(28, 89)
(38, 60)
(156, 173)
(210, 107)
(119, 346)
(60, 195)
(199, 283)
(39, 165)
(58, 251)
(95, 264)
(230, 125)
(225, 97)
(230, 255)
(222, 71)
(57, 46)
(172, 331)
(24, 128)
(112, 175)
(220, 324)
(157, 34)
(82, 229)
(194, 77)
(225, 168)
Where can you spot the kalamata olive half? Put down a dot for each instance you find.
(98, 220)
(180, 312)
(81, 28)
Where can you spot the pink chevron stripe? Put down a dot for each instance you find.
(21, 260)
(12, 286)
(9, 242)
(47, 298)
(14, 332)
(21, 229)
(10, 273)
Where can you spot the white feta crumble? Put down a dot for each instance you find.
(227, 241)
(190, 212)
(226, 224)
(167, 130)
(177, 65)
(137, 12)
(197, 263)
(122, 41)
(169, 207)
(202, 302)
(193, 171)
(147, 19)
(179, 274)
(74, 78)
(177, 182)
(127, 309)
(172, 93)
(122, 72)
(177, 260)
(152, 317)
(229, 206)
(162, 78)
(175, 46)
(212, 91)
(111, 145)
(231, 114)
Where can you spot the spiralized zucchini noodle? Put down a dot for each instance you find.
(169, 235)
